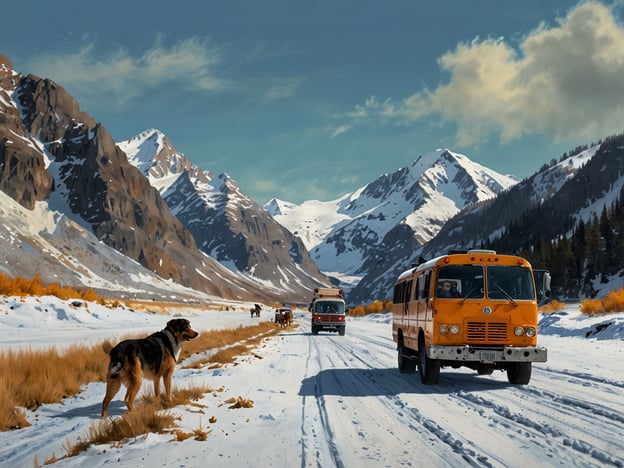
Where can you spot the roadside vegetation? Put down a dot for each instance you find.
(552, 306)
(31, 378)
(613, 302)
(35, 287)
(376, 307)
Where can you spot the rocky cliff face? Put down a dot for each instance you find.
(51, 150)
(23, 174)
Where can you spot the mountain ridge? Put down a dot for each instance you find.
(343, 233)
(227, 224)
(177, 224)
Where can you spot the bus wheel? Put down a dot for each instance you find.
(429, 369)
(519, 373)
(406, 365)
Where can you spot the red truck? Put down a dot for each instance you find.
(328, 311)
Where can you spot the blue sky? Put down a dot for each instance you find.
(312, 99)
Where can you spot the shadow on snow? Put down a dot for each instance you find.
(379, 382)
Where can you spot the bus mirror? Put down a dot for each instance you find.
(542, 284)
(546, 284)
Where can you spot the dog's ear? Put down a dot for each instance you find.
(107, 346)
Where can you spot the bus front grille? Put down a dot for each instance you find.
(487, 332)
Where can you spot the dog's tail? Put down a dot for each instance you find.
(107, 346)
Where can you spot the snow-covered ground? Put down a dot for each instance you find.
(327, 400)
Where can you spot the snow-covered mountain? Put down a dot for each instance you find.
(182, 224)
(344, 234)
(226, 224)
(55, 158)
(578, 186)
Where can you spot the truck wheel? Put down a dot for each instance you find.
(429, 369)
(519, 373)
(342, 331)
(314, 330)
(406, 365)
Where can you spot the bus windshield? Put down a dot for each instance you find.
(503, 282)
(510, 283)
(463, 281)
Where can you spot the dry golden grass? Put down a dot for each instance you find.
(372, 308)
(552, 306)
(613, 302)
(231, 342)
(30, 378)
(11, 417)
(179, 396)
(34, 287)
(239, 402)
(145, 418)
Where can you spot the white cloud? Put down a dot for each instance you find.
(121, 77)
(282, 89)
(562, 81)
(340, 130)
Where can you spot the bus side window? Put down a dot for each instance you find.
(397, 293)
(421, 286)
(427, 283)
(408, 291)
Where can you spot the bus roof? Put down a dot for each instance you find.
(466, 258)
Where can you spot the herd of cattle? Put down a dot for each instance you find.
(283, 315)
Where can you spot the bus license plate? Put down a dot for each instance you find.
(488, 356)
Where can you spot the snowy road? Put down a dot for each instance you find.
(329, 400)
(373, 415)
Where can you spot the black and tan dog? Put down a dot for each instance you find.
(153, 357)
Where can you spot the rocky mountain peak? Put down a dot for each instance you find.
(51, 150)
(7, 74)
(23, 174)
(226, 223)
(345, 235)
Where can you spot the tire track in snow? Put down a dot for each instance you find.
(427, 428)
(582, 378)
(319, 440)
(538, 432)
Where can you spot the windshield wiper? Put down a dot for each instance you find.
(468, 294)
(506, 295)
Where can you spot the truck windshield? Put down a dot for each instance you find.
(329, 307)
(510, 283)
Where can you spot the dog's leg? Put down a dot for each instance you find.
(113, 384)
(157, 389)
(167, 375)
(135, 378)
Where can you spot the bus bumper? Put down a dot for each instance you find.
(488, 355)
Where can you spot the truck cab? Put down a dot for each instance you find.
(327, 311)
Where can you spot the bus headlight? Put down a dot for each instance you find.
(444, 329)
(530, 331)
(454, 329)
(519, 331)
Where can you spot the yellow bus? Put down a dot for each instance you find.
(476, 309)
